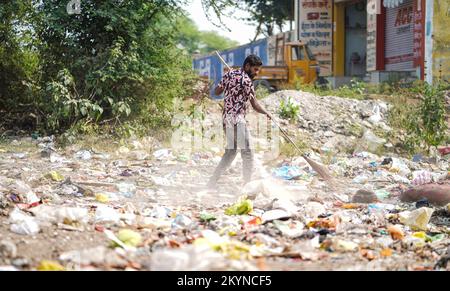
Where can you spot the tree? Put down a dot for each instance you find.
(269, 14)
(17, 59)
(117, 60)
(192, 39)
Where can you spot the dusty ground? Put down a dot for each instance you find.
(180, 185)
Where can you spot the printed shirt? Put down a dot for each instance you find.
(238, 89)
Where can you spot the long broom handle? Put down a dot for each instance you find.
(287, 137)
(222, 60)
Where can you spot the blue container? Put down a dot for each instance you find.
(211, 67)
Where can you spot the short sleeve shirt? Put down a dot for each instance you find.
(239, 90)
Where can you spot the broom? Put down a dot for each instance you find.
(320, 169)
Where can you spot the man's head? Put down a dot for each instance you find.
(252, 65)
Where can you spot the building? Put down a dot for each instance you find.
(376, 40)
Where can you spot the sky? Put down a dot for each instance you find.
(240, 32)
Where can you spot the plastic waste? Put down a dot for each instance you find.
(126, 189)
(19, 155)
(129, 237)
(286, 205)
(396, 232)
(116, 241)
(160, 212)
(376, 117)
(206, 217)
(422, 203)
(253, 221)
(417, 219)
(25, 192)
(161, 181)
(384, 207)
(361, 179)
(421, 177)
(45, 213)
(83, 155)
(8, 269)
(445, 150)
(274, 214)
(93, 256)
(339, 245)
(161, 154)
(329, 223)
(102, 198)
(22, 223)
(242, 206)
(314, 209)
(398, 166)
(230, 248)
(67, 189)
(290, 229)
(382, 194)
(7, 249)
(55, 176)
(414, 242)
(50, 266)
(106, 214)
(372, 142)
(183, 158)
(73, 214)
(139, 155)
(400, 179)
(387, 252)
(194, 258)
(55, 158)
(288, 172)
(181, 221)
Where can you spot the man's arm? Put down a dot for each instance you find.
(259, 108)
(221, 86)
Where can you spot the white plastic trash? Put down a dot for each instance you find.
(106, 214)
(22, 223)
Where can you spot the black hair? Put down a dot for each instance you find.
(253, 60)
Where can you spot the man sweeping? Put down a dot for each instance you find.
(239, 91)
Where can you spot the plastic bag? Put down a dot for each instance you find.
(243, 206)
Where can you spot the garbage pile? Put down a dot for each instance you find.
(334, 123)
(141, 207)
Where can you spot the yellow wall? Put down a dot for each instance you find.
(441, 39)
(339, 40)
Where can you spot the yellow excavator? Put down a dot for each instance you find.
(299, 65)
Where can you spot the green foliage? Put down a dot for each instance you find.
(267, 16)
(18, 61)
(355, 90)
(289, 110)
(204, 42)
(428, 124)
(115, 62)
(261, 92)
